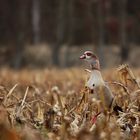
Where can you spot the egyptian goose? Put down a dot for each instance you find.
(96, 83)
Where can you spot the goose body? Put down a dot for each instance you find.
(101, 90)
(96, 83)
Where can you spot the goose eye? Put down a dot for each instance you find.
(93, 85)
(89, 54)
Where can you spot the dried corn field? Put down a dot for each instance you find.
(55, 105)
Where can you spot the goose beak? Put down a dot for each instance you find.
(83, 57)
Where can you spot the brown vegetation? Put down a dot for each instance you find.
(54, 105)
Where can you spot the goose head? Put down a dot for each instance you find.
(92, 59)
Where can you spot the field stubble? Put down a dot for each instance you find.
(53, 104)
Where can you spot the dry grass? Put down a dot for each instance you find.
(55, 105)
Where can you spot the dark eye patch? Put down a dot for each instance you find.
(89, 54)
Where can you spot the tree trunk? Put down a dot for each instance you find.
(123, 36)
(71, 25)
(36, 21)
(59, 32)
(55, 54)
(101, 32)
(20, 34)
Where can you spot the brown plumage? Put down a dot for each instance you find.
(96, 83)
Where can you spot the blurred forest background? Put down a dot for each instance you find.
(44, 33)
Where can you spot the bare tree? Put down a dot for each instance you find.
(71, 24)
(101, 21)
(20, 33)
(36, 20)
(61, 19)
(123, 34)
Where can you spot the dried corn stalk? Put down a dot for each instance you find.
(126, 74)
